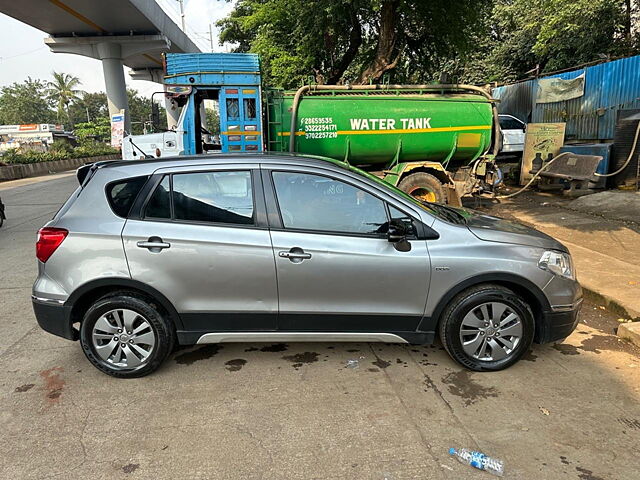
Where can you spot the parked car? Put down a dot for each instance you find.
(253, 248)
(513, 132)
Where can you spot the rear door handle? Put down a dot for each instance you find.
(154, 244)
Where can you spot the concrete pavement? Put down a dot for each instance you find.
(605, 250)
(567, 411)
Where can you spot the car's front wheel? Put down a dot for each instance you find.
(487, 328)
(126, 336)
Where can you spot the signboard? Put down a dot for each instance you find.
(542, 142)
(117, 129)
(558, 89)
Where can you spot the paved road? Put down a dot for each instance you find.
(296, 411)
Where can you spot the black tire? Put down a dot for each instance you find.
(161, 326)
(465, 302)
(419, 184)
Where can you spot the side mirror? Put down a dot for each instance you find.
(397, 234)
(155, 116)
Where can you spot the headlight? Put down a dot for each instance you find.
(557, 263)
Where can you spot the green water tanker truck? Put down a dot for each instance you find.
(435, 142)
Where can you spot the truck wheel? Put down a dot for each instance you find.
(424, 187)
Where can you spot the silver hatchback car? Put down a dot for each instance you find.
(252, 248)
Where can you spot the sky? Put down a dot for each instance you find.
(23, 52)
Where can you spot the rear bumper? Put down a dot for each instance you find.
(559, 324)
(54, 317)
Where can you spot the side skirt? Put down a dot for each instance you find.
(190, 338)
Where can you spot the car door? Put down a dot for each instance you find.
(202, 241)
(513, 132)
(336, 270)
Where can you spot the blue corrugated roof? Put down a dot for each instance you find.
(609, 87)
(182, 63)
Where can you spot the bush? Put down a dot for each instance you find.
(86, 149)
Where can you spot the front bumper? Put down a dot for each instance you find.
(54, 317)
(559, 323)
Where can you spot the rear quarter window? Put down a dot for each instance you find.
(122, 193)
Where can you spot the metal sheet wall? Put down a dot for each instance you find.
(609, 87)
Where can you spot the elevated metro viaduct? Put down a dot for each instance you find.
(117, 32)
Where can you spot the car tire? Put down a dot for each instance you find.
(469, 322)
(149, 339)
(425, 187)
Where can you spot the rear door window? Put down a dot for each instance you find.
(159, 205)
(213, 197)
(123, 193)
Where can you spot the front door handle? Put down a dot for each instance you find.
(154, 244)
(296, 255)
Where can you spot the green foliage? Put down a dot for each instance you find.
(25, 103)
(92, 107)
(337, 41)
(60, 146)
(88, 149)
(62, 92)
(59, 101)
(99, 130)
(524, 35)
(213, 121)
(414, 41)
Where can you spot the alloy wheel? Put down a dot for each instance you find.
(123, 338)
(491, 331)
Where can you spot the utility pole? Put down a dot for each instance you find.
(181, 2)
(211, 37)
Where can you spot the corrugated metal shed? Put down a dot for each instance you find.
(609, 87)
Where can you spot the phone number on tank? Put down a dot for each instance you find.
(315, 135)
(316, 120)
(321, 128)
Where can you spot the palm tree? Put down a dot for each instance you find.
(63, 91)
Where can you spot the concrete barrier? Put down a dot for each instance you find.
(24, 170)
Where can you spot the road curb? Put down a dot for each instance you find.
(631, 332)
(610, 304)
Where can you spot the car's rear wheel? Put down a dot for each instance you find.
(126, 336)
(487, 328)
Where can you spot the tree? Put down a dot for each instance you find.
(25, 102)
(98, 130)
(91, 107)
(350, 40)
(523, 37)
(63, 91)
(213, 121)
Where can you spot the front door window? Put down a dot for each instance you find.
(324, 204)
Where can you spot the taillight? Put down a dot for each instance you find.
(49, 239)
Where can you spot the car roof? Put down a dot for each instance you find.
(178, 161)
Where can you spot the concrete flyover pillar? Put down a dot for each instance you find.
(111, 56)
(112, 50)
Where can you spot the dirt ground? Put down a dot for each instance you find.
(302, 411)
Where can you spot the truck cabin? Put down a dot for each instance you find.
(226, 83)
